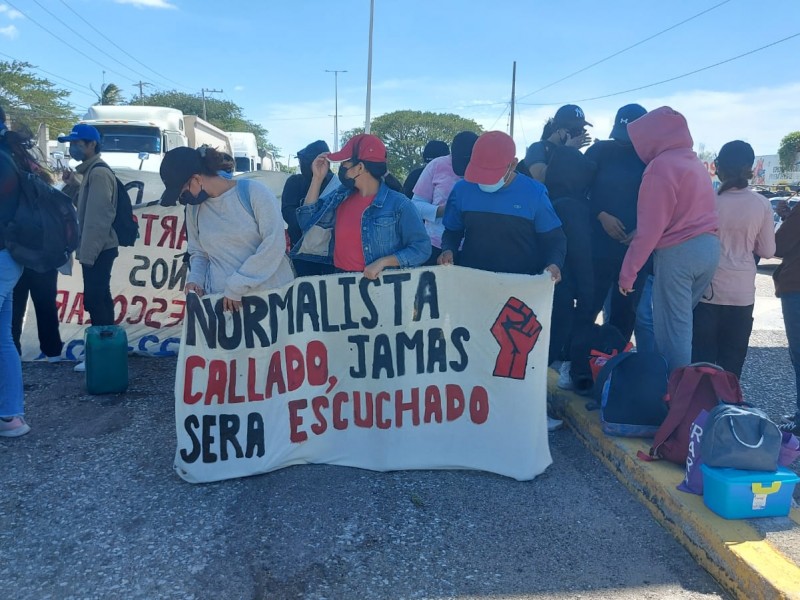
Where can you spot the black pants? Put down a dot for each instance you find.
(623, 308)
(42, 288)
(97, 288)
(435, 252)
(721, 335)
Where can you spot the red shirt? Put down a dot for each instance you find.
(348, 249)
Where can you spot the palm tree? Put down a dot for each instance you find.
(110, 94)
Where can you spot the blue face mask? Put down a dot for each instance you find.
(492, 188)
(77, 152)
(225, 174)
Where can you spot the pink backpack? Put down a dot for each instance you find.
(690, 389)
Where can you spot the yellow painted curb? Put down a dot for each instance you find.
(733, 552)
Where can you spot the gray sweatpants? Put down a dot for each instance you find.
(682, 274)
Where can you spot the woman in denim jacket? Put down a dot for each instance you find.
(362, 226)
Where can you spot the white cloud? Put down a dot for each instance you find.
(238, 88)
(10, 12)
(147, 3)
(10, 32)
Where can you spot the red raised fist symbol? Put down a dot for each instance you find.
(516, 329)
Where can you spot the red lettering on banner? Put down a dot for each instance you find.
(338, 399)
(379, 420)
(317, 363)
(412, 405)
(169, 223)
(217, 381)
(433, 404)
(317, 404)
(479, 405)
(252, 395)
(233, 398)
(77, 309)
(192, 362)
(360, 419)
(162, 308)
(182, 236)
(455, 401)
(177, 316)
(142, 302)
(275, 375)
(148, 230)
(295, 421)
(123, 308)
(62, 299)
(295, 368)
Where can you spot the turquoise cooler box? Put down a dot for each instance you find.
(737, 494)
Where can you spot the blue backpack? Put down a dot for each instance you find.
(630, 392)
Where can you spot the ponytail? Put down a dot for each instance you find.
(734, 181)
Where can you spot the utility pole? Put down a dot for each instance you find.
(141, 85)
(513, 91)
(369, 66)
(205, 91)
(336, 106)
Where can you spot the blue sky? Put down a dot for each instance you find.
(443, 55)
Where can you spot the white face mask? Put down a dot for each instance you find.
(492, 188)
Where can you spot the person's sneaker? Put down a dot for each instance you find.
(790, 427)
(564, 380)
(80, 367)
(789, 418)
(553, 424)
(54, 359)
(14, 427)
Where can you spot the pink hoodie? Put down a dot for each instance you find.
(676, 198)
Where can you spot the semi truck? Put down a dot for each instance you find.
(137, 137)
(245, 151)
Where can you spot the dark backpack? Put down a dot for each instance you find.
(691, 389)
(630, 394)
(44, 229)
(125, 224)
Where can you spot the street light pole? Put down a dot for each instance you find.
(336, 106)
(369, 66)
(203, 92)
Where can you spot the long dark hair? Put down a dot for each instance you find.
(214, 161)
(20, 146)
(735, 165)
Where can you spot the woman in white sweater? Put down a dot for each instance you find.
(235, 230)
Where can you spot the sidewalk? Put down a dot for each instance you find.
(753, 559)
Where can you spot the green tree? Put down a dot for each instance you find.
(30, 100)
(110, 94)
(787, 152)
(405, 133)
(224, 114)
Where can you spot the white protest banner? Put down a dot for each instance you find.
(439, 368)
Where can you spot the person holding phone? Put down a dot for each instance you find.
(566, 128)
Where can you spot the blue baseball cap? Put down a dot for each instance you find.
(81, 131)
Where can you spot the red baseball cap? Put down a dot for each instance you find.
(361, 147)
(492, 154)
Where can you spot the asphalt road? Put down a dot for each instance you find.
(91, 508)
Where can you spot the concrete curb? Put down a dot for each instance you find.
(733, 552)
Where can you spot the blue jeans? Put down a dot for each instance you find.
(645, 338)
(790, 303)
(11, 397)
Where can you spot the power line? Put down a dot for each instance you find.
(639, 43)
(61, 40)
(500, 116)
(649, 85)
(118, 47)
(77, 91)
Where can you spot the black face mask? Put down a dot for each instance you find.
(347, 182)
(188, 198)
(305, 170)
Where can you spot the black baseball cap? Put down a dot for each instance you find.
(461, 151)
(176, 169)
(570, 116)
(435, 149)
(627, 114)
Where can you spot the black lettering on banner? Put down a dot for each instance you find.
(427, 293)
(363, 288)
(232, 341)
(346, 282)
(437, 350)
(159, 280)
(277, 303)
(200, 311)
(254, 310)
(323, 301)
(359, 371)
(382, 357)
(458, 336)
(228, 428)
(255, 435)
(133, 275)
(190, 424)
(416, 343)
(209, 422)
(397, 280)
(177, 278)
(307, 305)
